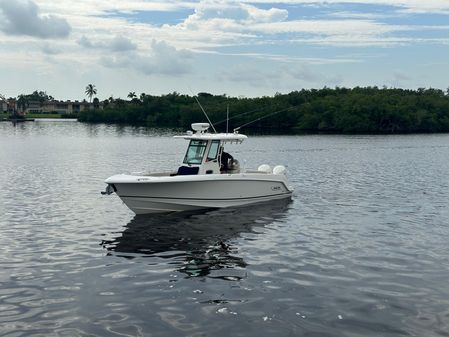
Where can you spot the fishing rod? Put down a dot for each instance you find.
(202, 109)
(263, 117)
(240, 114)
(205, 114)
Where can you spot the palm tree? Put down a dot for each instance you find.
(90, 91)
(132, 95)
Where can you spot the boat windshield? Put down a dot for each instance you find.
(213, 150)
(195, 152)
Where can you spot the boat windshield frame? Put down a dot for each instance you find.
(213, 151)
(195, 152)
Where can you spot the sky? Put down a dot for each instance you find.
(237, 48)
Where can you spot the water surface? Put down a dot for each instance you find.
(361, 250)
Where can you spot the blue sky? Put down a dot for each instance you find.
(239, 48)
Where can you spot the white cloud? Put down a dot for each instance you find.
(121, 43)
(51, 49)
(365, 15)
(22, 17)
(230, 23)
(285, 58)
(252, 75)
(327, 27)
(116, 44)
(102, 7)
(234, 11)
(412, 6)
(261, 46)
(398, 79)
(235, 23)
(85, 42)
(163, 59)
(279, 76)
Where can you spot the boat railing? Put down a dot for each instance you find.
(162, 174)
(153, 174)
(255, 171)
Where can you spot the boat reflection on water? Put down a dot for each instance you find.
(198, 242)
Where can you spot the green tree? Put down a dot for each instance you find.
(96, 103)
(22, 102)
(338, 110)
(91, 91)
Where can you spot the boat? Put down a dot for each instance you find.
(21, 120)
(207, 178)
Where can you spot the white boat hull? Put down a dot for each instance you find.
(156, 194)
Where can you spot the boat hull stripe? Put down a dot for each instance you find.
(211, 199)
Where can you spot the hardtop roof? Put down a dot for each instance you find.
(226, 137)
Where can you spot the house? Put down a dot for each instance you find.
(49, 107)
(34, 107)
(67, 107)
(59, 107)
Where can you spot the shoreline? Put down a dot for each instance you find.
(248, 131)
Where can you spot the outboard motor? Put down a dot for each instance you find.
(280, 169)
(265, 168)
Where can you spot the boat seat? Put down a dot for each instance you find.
(187, 171)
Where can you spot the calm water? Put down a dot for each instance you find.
(361, 250)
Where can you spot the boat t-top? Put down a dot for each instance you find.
(207, 178)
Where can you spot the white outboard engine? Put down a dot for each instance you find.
(279, 169)
(264, 168)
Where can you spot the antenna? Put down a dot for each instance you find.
(202, 109)
(227, 119)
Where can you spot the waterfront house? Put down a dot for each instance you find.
(54, 107)
(34, 107)
(68, 107)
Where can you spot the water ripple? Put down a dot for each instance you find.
(360, 251)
